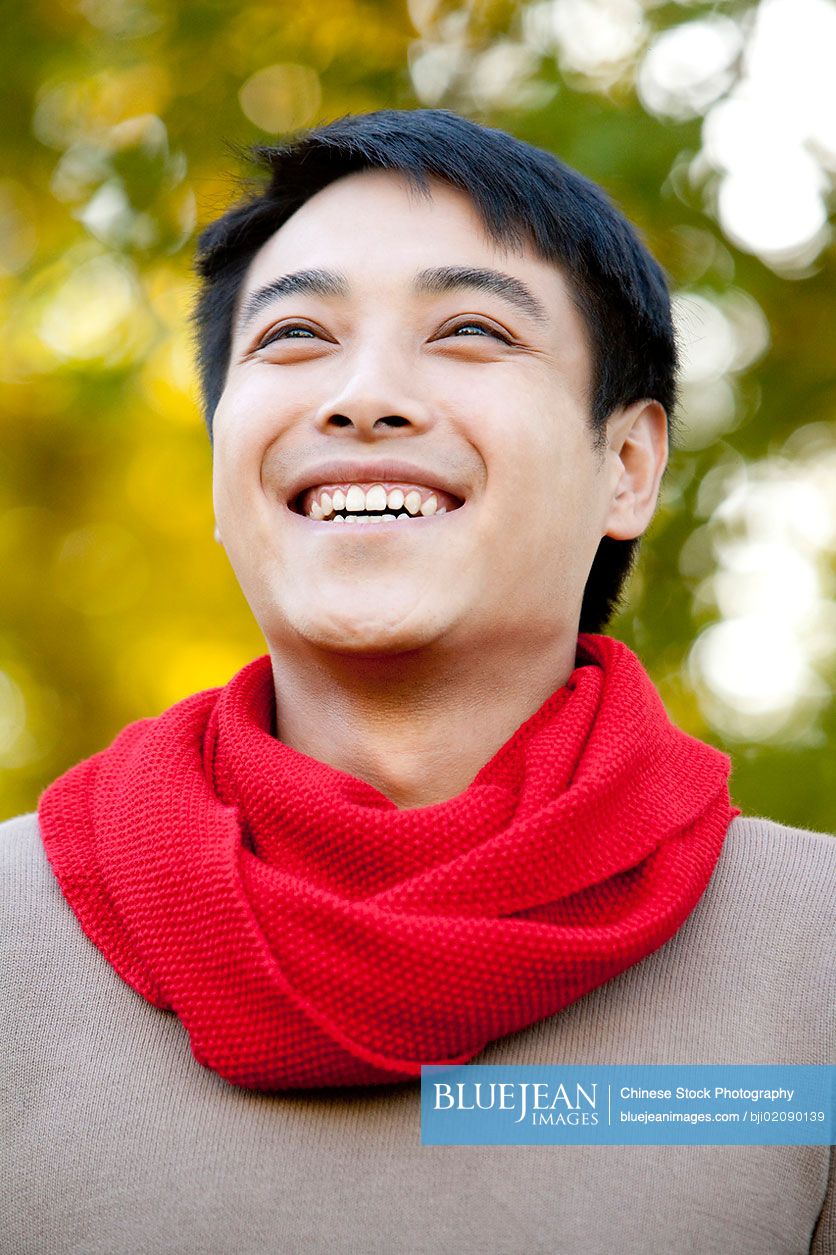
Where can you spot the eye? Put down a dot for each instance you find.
(470, 329)
(289, 331)
(477, 329)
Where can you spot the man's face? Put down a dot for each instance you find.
(419, 355)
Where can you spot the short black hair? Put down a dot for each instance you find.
(524, 195)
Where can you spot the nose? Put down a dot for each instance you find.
(378, 393)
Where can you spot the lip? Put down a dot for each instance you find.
(339, 471)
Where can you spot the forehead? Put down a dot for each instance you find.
(377, 228)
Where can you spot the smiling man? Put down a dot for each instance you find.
(444, 818)
(406, 483)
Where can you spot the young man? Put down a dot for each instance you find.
(434, 823)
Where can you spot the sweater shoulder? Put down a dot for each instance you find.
(768, 917)
(792, 868)
(20, 843)
(769, 832)
(26, 878)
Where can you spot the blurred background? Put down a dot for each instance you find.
(713, 126)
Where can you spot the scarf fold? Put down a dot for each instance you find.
(307, 932)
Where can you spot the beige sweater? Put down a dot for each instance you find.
(113, 1139)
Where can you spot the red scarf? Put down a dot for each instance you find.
(308, 933)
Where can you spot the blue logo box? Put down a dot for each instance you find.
(628, 1105)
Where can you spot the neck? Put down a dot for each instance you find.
(417, 730)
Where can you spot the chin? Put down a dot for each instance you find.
(354, 632)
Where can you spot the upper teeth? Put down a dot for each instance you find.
(323, 503)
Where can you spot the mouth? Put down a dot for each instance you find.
(382, 503)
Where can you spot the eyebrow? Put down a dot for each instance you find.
(310, 282)
(434, 281)
(454, 278)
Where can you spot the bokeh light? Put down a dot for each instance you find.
(762, 668)
(281, 97)
(770, 130)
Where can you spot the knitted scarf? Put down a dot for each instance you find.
(307, 932)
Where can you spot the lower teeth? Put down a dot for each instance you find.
(366, 518)
(375, 518)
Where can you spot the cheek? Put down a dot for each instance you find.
(544, 490)
(252, 416)
(246, 411)
(536, 444)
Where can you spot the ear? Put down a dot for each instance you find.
(637, 451)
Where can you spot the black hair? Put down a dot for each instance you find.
(524, 195)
